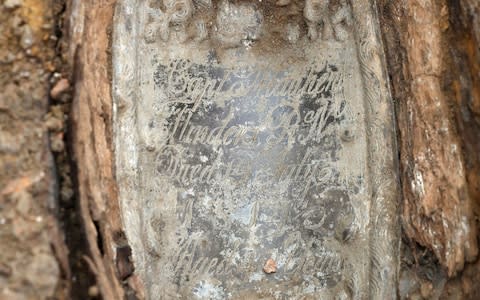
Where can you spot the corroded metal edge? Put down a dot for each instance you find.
(384, 227)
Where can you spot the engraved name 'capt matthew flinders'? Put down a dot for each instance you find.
(255, 109)
(276, 100)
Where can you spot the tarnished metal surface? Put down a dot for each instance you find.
(253, 145)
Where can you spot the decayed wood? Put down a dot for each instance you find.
(90, 22)
(464, 86)
(439, 158)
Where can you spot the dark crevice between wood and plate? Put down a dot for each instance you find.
(79, 277)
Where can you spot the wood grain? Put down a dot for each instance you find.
(89, 25)
(433, 70)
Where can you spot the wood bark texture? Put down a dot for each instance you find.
(433, 56)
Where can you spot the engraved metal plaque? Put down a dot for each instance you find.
(254, 150)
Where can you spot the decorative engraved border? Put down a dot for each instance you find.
(384, 188)
(124, 119)
(384, 231)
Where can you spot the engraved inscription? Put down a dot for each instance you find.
(251, 153)
(242, 139)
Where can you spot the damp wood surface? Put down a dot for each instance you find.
(433, 56)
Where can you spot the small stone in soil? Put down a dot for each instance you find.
(60, 87)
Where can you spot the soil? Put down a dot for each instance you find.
(37, 201)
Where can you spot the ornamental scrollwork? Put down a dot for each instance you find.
(233, 25)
